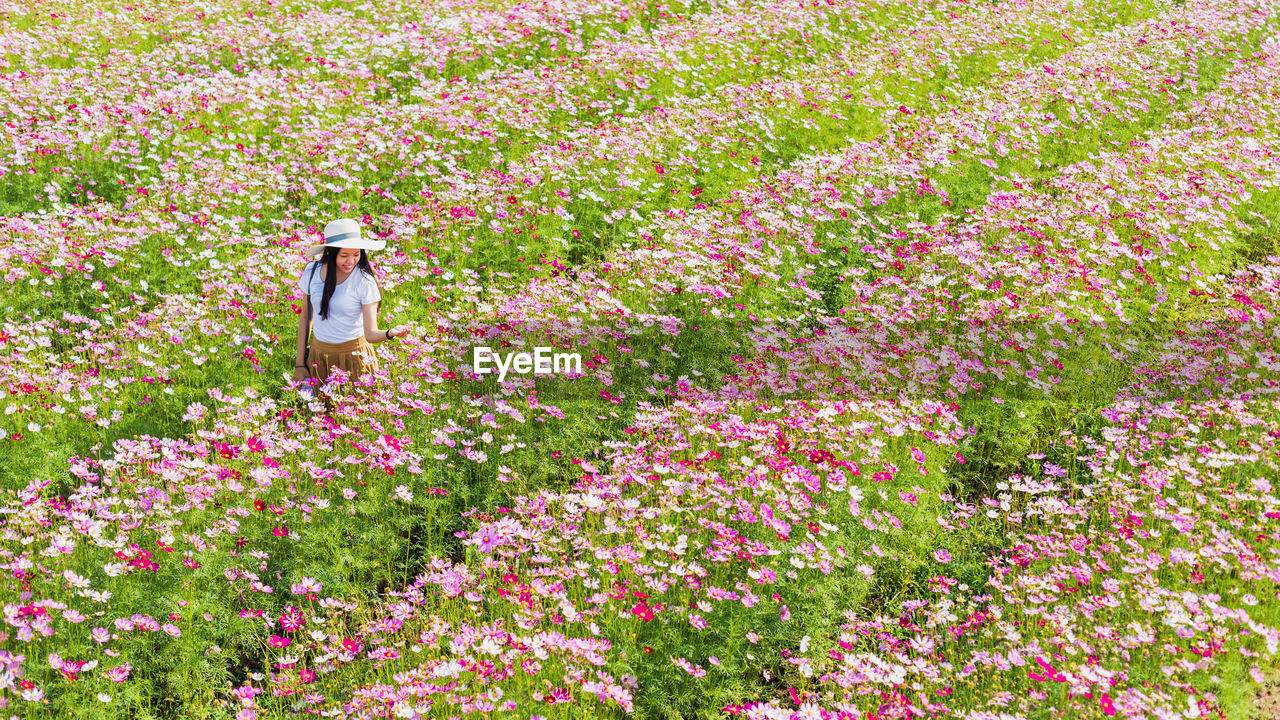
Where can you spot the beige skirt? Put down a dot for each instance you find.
(356, 357)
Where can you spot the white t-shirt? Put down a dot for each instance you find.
(346, 315)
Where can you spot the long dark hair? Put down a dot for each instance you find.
(330, 259)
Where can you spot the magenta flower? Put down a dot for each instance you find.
(1050, 672)
(291, 619)
(279, 641)
(642, 611)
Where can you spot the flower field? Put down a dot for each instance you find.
(931, 360)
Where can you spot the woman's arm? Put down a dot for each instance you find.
(304, 330)
(372, 332)
(372, 300)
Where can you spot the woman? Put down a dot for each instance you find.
(341, 306)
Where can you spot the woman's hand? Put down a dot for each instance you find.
(401, 330)
(301, 374)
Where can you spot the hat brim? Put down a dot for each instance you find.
(363, 243)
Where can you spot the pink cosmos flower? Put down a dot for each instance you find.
(146, 622)
(689, 667)
(306, 585)
(291, 619)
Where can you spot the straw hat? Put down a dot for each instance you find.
(344, 233)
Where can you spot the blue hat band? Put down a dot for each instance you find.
(343, 236)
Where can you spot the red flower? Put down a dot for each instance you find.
(642, 611)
